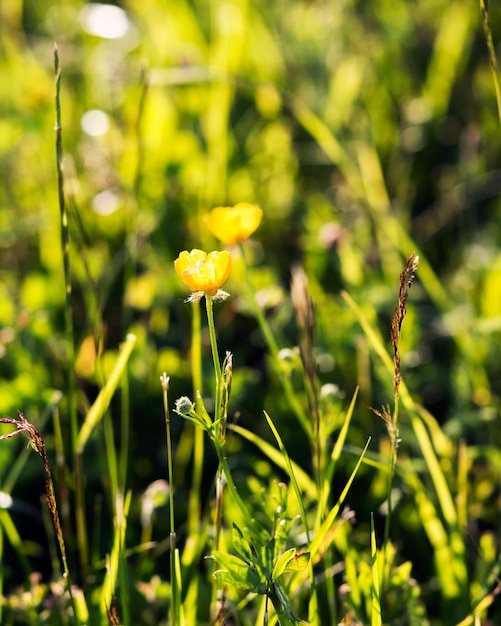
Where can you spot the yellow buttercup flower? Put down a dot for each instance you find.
(234, 224)
(203, 273)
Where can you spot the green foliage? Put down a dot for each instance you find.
(366, 132)
(256, 568)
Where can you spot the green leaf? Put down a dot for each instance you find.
(234, 571)
(282, 563)
(283, 602)
(242, 546)
(298, 563)
(290, 561)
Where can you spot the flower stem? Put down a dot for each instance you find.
(194, 506)
(164, 380)
(218, 440)
(215, 356)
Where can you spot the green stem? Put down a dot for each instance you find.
(194, 506)
(213, 342)
(486, 22)
(125, 434)
(252, 525)
(218, 417)
(218, 438)
(164, 379)
(68, 320)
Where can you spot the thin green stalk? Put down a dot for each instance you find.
(68, 322)
(81, 522)
(389, 504)
(124, 435)
(122, 507)
(111, 457)
(174, 604)
(391, 420)
(219, 435)
(486, 22)
(117, 504)
(192, 549)
(64, 504)
(215, 354)
(274, 350)
(65, 245)
(194, 504)
(125, 599)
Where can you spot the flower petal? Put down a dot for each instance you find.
(203, 272)
(233, 224)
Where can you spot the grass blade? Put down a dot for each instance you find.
(102, 401)
(376, 589)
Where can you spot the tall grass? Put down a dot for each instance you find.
(255, 485)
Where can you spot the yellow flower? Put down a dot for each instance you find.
(203, 273)
(233, 224)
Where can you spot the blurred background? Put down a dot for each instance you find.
(365, 131)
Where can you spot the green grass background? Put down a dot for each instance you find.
(365, 131)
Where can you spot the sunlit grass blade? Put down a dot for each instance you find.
(191, 601)
(448, 546)
(290, 471)
(462, 486)
(452, 43)
(481, 608)
(323, 538)
(486, 22)
(305, 483)
(376, 590)
(313, 612)
(336, 452)
(327, 141)
(177, 608)
(102, 401)
(107, 592)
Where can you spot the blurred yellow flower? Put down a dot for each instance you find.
(203, 273)
(233, 224)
